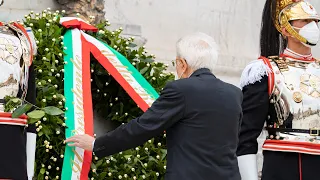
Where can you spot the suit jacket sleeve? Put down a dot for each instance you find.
(255, 111)
(31, 95)
(164, 112)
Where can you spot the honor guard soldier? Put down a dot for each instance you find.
(282, 94)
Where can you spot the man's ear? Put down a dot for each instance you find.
(184, 64)
(285, 33)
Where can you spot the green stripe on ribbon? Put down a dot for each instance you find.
(68, 86)
(135, 73)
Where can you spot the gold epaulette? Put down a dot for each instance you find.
(280, 62)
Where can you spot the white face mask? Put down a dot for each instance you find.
(310, 32)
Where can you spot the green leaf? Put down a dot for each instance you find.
(32, 121)
(102, 175)
(53, 111)
(144, 70)
(21, 110)
(43, 170)
(132, 45)
(15, 100)
(148, 60)
(36, 114)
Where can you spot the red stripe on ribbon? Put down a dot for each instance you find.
(87, 105)
(75, 23)
(104, 61)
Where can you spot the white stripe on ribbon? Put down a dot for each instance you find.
(116, 62)
(78, 103)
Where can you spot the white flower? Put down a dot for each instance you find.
(46, 49)
(137, 149)
(57, 177)
(127, 47)
(44, 119)
(134, 177)
(56, 86)
(159, 144)
(61, 37)
(30, 24)
(94, 170)
(60, 103)
(107, 83)
(37, 42)
(55, 159)
(108, 24)
(56, 61)
(39, 83)
(37, 14)
(117, 113)
(132, 169)
(115, 46)
(48, 8)
(133, 63)
(112, 33)
(61, 156)
(109, 174)
(104, 94)
(65, 48)
(44, 15)
(78, 14)
(164, 167)
(153, 78)
(96, 158)
(108, 162)
(125, 175)
(31, 12)
(63, 11)
(64, 124)
(101, 31)
(111, 104)
(49, 167)
(47, 24)
(58, 75)
(145, 164)
(120, 177)
(44, 100)
(52, 70)
(44, 58)
(146, 149)
(148, 64)
(165, 135)
(54, 96)
(126, 114)
(58, 132)
(53, 39)
(39, 30)
(129, 159)
(157, 174)
(149, 141)
(158, 157)
(60, 54)
(37, 18)
(143, 176)
(137, 55)
(116, 99)
(57, 11)
(138, 156)
(46, 177)
(37, 129)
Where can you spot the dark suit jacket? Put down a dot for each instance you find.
(201, 116)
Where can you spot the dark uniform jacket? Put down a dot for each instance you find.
(201, 116)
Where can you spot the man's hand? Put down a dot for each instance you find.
(82, 141)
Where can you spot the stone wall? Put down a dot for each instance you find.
(16, 9)
(234, 24)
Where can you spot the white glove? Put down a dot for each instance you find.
(248, 167)
(31, 153)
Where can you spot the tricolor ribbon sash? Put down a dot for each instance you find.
(77, 89)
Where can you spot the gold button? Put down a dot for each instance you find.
(297, 97)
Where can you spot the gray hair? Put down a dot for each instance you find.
(199, 50)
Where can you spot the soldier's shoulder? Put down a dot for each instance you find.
(254, 72)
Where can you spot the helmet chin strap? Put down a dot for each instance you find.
(294, 33)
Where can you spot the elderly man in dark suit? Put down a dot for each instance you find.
(200, 113)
